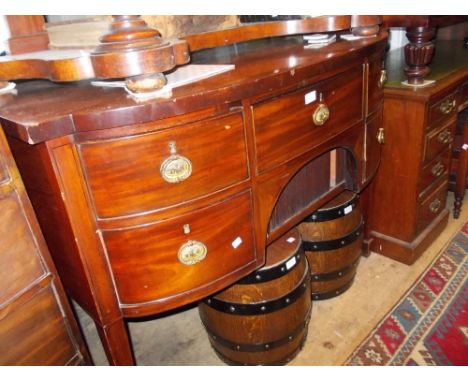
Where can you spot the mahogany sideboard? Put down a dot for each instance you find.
(409, 193)
(147, 206)
(37, 326)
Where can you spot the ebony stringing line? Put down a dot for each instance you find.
(323, 215)
(328, 245)
(263, 275)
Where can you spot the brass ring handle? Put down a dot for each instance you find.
(192, 252)
(381, 136)
(447, 106)
(444, 136)
(321, 114)
(175, 169)
(382, 78)
(437, 169)
(435, 205)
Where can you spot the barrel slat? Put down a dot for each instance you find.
(332, 240)
(248, 335)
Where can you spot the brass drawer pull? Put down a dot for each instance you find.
(382, 78)
(175, 168)
(437, 169)
(447, 106)
(444, 136)
(192, 252)
(435, 205)
(321, 114)
(381, 136)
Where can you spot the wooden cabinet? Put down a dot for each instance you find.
(37, 326)
(149, 206)
(409, 193)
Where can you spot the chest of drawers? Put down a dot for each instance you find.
(37, 326)
(150, 206)
(409, 192)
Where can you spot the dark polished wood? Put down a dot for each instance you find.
(127, 242)
(408, 210)
(421, 30)
(247, 32)
(130, 49)
(37, 326)
(28, 33)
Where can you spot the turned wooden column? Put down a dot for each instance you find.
(418, 53)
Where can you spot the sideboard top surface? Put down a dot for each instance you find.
(43, 110)
(450, 63)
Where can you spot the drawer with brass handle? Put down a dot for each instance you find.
(438, 140)
(376, 84)
(289, 125)
(431, 206)
(432, 172)
(147, 172)
(443, 109)
(183, 254)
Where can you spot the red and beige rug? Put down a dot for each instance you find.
(429, 325)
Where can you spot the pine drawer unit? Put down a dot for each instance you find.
(409, 193)
(150, 206)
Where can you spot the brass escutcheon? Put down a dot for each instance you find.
(192, 252)
(176, 168)
(321, 114)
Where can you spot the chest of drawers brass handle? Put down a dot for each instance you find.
(437, 169)
(447, 106)
(321, 114)
(435, 205)
(192, 252)
(444, 136)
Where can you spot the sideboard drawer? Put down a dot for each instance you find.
(148, 264)
(434, 171)
(284, 126)
(443, 109)
(377, 78)
(438, 140)
(152, 171)
(431, 207)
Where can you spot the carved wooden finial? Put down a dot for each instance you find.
(134, 51)
(128, 32)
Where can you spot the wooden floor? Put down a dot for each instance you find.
(336, 328)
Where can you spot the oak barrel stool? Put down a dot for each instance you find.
(263, 319)
(332, 240)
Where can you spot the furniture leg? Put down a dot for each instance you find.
(460, 183)
(418, 53)
(116, 342)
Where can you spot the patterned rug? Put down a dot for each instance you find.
(429, 325)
